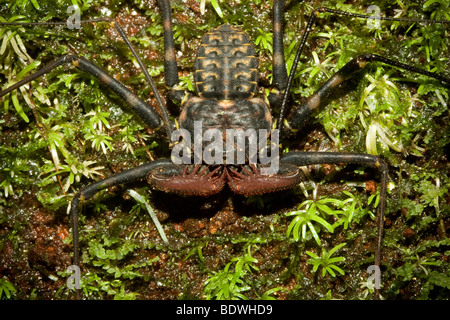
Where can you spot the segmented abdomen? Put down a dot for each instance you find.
(226, 65)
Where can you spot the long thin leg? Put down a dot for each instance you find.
(314, 14)
(162, 106)
(309, 158)
(142, 109)
(170, 62)
(301, 115)
(293, 69)
(128, 176)
(278, 64)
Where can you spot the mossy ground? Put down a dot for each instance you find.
(74, 124)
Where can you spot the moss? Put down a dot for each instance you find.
(73, 132)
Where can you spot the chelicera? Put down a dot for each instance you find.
(226, 77)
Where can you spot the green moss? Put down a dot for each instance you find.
(66, 131)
